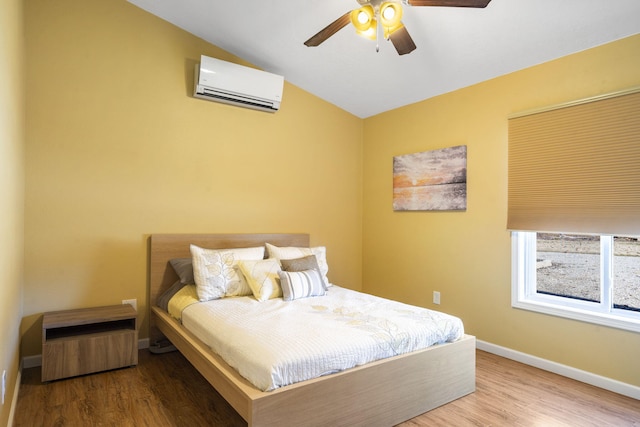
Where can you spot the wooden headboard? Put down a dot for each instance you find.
(164, 247)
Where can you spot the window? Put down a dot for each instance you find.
(573, 168)
(593, 278)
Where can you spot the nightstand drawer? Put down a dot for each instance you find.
(78, 342)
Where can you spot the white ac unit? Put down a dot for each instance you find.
(230, 83)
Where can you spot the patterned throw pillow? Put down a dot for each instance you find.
(301, 284)
(262, 277)
(215, 274)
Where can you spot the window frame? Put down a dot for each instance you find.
(524, 294)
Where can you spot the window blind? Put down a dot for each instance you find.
(576, 168)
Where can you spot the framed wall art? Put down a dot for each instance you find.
(431, 181)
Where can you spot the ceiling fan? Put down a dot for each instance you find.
(389, 14)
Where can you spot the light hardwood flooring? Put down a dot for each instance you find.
(165, 390)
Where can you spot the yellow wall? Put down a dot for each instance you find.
(466, 255)
(11, 192)
(117, 149)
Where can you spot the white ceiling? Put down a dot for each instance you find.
(456, 47)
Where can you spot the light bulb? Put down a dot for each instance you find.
(389, 13)
(363, 18)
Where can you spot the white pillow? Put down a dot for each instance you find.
(292, 252)
(215, 273)
(301, 284)
(262, 277)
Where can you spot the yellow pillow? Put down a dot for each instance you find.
(262, 277)
(181, 300)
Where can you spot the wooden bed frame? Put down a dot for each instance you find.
(381, 393)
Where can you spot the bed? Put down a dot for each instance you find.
(380, 393)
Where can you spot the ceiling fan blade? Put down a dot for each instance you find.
(450, 3)
(402, 41)
(329, 30)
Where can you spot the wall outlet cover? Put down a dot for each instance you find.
(436, 297)
(132, 302)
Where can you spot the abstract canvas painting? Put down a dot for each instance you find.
(431, 181)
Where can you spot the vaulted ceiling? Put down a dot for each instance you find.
(456, 47)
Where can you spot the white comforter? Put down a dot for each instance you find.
(275, 343)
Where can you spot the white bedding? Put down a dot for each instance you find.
(275, 343)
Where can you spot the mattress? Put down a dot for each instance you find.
(275, 343)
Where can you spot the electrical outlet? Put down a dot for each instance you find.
(436, 297)
(4, 384)
(132, 302)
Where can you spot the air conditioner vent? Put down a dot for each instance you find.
(234, 84)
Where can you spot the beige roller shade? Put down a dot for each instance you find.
(576, 168)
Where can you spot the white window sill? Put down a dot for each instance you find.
(605, 319)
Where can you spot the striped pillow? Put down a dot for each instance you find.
(309, 262)
(301, 284)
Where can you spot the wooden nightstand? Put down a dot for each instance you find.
(87, 340)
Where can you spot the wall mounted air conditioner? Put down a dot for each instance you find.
(234, 84)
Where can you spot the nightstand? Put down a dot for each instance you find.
(88, 340)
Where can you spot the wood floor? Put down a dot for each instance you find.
(165, 390)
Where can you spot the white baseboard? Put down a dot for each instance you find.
(31, 361)
(143, 343)
(564, 370)
(34, 361)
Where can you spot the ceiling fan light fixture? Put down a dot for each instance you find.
(364, 21)
(370, 33)
(390, 14)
